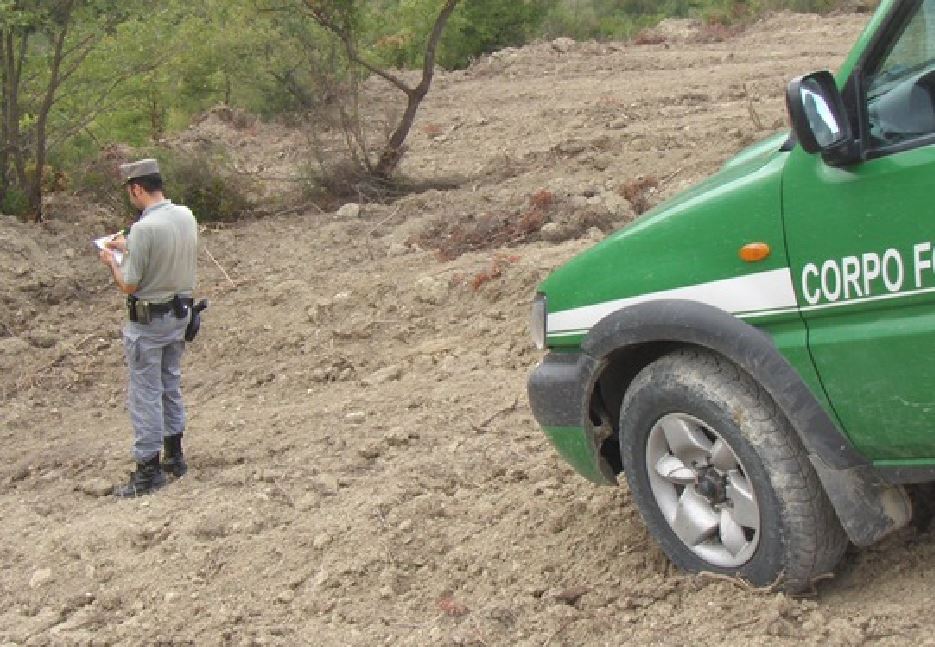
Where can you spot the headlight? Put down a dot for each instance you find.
(537, 321)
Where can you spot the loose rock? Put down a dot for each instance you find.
(356, 418)
(563, 45)
(97, 487)
(350, 210)
(384, 375)
(431, 290)
(40, 578)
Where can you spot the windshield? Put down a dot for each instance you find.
(900, 97)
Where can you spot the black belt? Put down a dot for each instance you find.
(163, 308)
(181, 306)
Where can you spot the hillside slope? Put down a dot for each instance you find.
(364, 466)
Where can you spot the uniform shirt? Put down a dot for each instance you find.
(163, 246)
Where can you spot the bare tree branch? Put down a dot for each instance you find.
(340, 25)
(391, 156)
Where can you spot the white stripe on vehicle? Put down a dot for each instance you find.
(882, 297)
(744, 296)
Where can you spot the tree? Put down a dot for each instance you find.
(44, 48)
(343, 18)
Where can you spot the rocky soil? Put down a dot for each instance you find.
(364, 466)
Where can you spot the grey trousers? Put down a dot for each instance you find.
(154, 389)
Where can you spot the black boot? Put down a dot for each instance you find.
(147, 477)
(174, 462)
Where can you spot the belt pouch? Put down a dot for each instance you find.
(143, 315)
(179, 309)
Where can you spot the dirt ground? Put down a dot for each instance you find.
(364, 466)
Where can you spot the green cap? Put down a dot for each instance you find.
(139, 169)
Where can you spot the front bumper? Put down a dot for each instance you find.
(559, 395)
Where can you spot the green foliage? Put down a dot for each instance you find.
(134, 71)
(15, 203)
(396, 32)
(482, 26)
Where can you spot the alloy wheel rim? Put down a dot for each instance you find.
(702, 490)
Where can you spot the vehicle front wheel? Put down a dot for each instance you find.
(720, 477)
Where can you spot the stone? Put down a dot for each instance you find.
(271, 476)
(355, 417)
(552, 232)
(350, 210)
(97, 487)
(42, 341)
(563, 45)
(574, 147)
(370, 452)
(321, 541)
(319, 312)
(40, 578)
(396, 437)
(572, 595)
(602, 162)
(397, 249)
(327, 484)
(431, 290)
(384, 375)
(616, 204)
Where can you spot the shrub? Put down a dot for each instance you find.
(208, 185)
(639, 191)
(488, 230)
(15, 203)
(205, 183)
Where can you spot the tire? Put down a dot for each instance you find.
(720, 477)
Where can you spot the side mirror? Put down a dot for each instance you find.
(819, 118)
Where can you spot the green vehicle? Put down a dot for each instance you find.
(754, 354)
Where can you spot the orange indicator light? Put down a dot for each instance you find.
(754, 252)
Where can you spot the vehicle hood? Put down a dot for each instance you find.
(759, 152)
(693, 239)
(744, 163)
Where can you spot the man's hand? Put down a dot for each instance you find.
(107, 257)
(118, 243)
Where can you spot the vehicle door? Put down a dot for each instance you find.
(860, 243)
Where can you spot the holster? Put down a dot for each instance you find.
(194, 324)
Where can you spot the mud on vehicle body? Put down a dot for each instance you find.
(751, 354)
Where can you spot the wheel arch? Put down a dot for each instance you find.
(646, 331)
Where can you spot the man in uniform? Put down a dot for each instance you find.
(158, 277)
